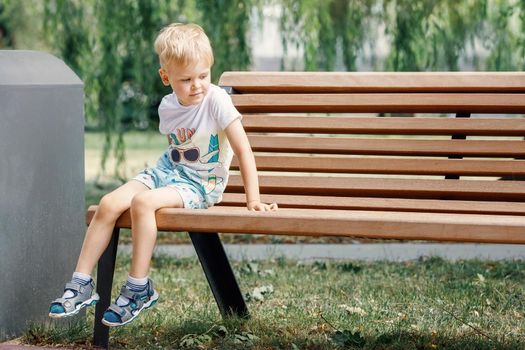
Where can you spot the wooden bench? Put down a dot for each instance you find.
(334, 172)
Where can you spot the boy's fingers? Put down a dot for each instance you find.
(264, 207)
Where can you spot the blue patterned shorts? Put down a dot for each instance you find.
(191, 196)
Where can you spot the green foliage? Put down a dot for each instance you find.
(348, 339)
(20, 24)
(503, 35)
(227, 23)
(421, 35)
(8, 21)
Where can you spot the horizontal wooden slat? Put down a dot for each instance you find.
(409, 166)
(404, 147)
(385, 125)
(386, 187)
(385, 204)
(297, 82)
(372, 224)
(384, 103)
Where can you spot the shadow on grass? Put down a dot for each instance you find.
(423, 341)
(235, 333)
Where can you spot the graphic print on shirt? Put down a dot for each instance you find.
(184, 151)
(183, 135)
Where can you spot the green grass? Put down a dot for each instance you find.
(425, 304)
(143, 148)
(141, 140)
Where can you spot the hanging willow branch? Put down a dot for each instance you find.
(227, 24)
(421, 34)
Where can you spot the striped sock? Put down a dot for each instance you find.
(80, 278)
(135, 285)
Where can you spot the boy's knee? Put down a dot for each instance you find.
(141, 203)
(107, 206)
(106, 203)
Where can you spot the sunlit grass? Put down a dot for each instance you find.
(425, 304)
(143, 148)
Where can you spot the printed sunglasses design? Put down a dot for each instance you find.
(191, 155)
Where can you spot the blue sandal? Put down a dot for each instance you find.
(83, 296)
(120, 315)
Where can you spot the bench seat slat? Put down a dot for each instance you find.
(301, 82)
(386, 204)
(381, 103)
(386, 187)
(415, 166)
(319, 222)
(407, 147)
(384, 125)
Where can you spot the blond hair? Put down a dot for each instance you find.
(183, 44)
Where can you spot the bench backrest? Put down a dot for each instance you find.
(329, 138)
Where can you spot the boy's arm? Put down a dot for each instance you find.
(241, 147)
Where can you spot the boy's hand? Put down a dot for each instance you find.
(258, 206)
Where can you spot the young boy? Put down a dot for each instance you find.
(204, 130)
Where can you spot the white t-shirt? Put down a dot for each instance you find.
(199, 148)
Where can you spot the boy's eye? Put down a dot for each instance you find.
(203, 76)
(185, 79)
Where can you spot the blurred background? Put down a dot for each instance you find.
(109, 44)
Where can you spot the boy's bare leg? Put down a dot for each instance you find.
(99, 232)
(144, 225)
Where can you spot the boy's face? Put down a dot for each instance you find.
(190, 83)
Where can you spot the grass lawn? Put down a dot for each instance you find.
(143, 148)
(425, 304)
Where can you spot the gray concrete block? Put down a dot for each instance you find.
(41, 184)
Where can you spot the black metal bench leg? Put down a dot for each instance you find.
(457, 137)
(219, 274)
(106, 269)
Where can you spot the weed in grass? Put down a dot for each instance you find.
(249, 268)
(319, 266)
(349, 267)
(348, 339)
(281, 261)
(67, 332)
(259, 293)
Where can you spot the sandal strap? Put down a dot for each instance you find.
(59, 300)
(75, 287)
(125, 292)
(136, 297)
(67, 304)
(123, 313)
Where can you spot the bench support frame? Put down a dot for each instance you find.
(219, 273)
(105, 273)
(213, 260)
(457, 137)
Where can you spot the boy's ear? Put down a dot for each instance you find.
(164, 77)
